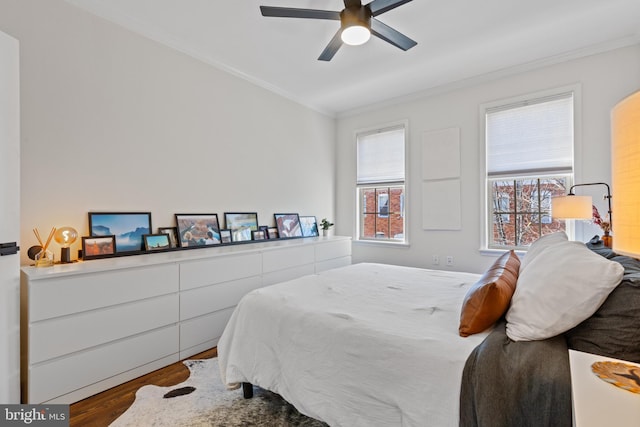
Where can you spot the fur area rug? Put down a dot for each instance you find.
(202, 400)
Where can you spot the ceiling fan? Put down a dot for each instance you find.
(357, 23)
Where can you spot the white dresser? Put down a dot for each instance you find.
(88, 326)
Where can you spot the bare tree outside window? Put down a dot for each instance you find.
(527, 214)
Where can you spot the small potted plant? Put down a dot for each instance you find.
(325, 225)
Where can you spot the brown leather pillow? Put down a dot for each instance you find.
(489, 298)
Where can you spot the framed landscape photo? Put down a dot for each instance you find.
(172, 232)
(309, 226)
(241, 225)
(98, 247)
(127, 227)
(288, 225)
(198, 229)
(225, 235)
(156, 242)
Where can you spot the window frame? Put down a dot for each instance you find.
(485, 203)
(359, 223)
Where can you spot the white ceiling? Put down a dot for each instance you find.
(458, 40)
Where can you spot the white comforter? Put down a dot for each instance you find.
(363, 345)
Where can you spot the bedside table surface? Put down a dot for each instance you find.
(597, 403)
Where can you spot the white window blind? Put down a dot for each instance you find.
(381, 156)
(530, 137)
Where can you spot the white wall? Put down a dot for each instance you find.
(604, 79)
(112, 121)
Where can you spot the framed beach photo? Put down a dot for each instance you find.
(241, 225)
(156, 242)
(288, 225)
(127, 227)
(198, 229)
(172, 232)
(98, 247)
(309, 226)
(225, 235)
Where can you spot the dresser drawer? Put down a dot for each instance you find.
(63, 335)
(72, 294)
(60, 376)
(281, 259)
(224, 269)
(200, 301)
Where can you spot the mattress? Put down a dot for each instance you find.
(363, 345)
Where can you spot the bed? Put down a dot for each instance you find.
(362, 345)
(382, 345)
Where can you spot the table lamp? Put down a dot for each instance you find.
(65, 236)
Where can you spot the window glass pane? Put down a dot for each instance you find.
(386, 221)
(532, 215)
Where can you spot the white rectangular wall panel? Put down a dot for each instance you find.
(441, 154)
(441, 205)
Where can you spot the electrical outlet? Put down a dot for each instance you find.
(435, 260)
(449, 260)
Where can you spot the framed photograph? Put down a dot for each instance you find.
(288, 225)
(258, 235)
(198, 229)
(309, 226)
(241, 225)
(272, 233)
(172, 232)
(127, 227)
(225, 235)
(156, 242)
(98, 247)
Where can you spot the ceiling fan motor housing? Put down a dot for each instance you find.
(355, 16)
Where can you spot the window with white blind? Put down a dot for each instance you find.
(529, 159)
(381, 184)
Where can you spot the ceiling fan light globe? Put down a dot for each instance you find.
(355, 35)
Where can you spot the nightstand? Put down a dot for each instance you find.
(597, 403)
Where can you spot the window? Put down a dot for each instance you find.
(381, 184)
(529, 160)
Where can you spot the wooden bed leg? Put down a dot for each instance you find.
(247, 390)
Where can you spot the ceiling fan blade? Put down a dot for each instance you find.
(332, 47)
(292, 12)
(378, 7)
(352, 3)
(390, 35)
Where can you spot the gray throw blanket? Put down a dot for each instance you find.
(507, 383)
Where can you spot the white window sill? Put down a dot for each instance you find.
(498, 252)
(385, 243)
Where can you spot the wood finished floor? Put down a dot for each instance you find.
(103, 408)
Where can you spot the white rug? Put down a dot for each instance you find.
(202, 400)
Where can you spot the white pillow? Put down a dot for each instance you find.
(537, 247)
(562, 286)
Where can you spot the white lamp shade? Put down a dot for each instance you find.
(355, 35)
(625, 155)
(572, 207)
